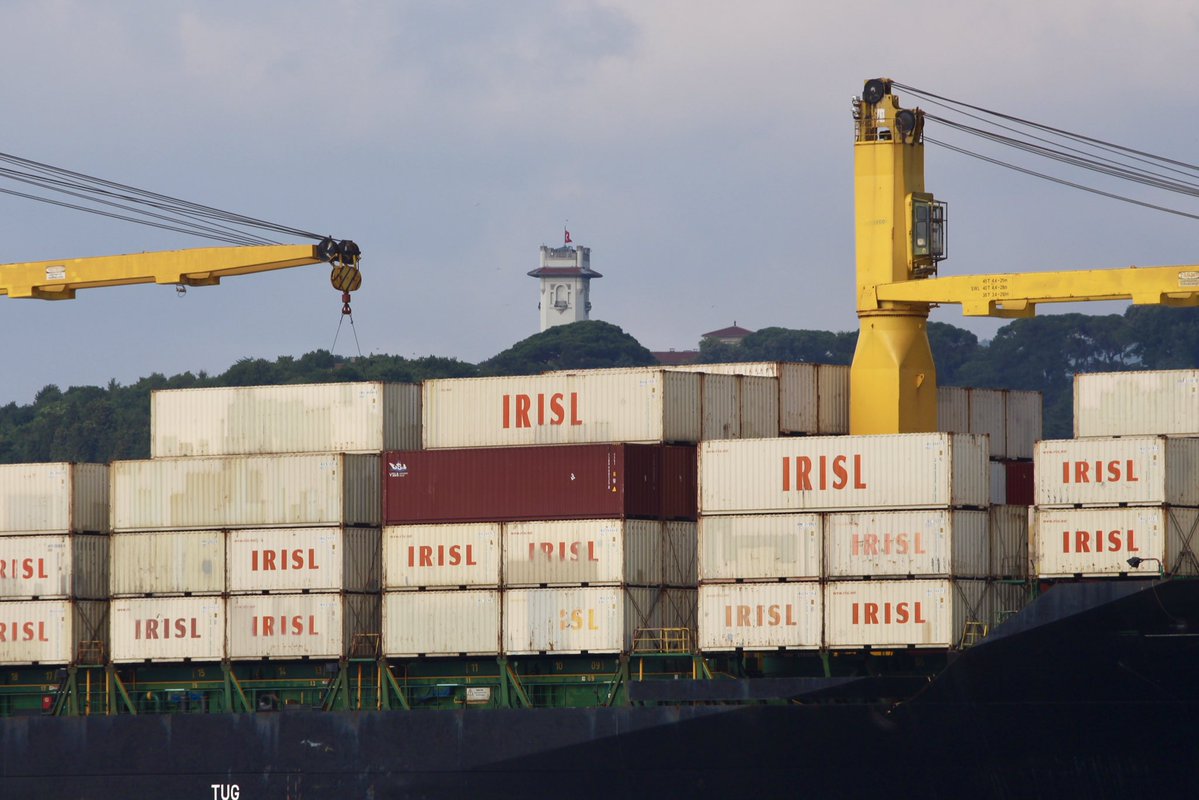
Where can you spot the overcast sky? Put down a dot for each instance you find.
(702, 149)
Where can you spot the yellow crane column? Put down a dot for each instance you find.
(893, 381)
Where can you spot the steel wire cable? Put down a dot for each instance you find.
(180, 215)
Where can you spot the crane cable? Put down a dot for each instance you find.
(178, 215)
(1068, 154)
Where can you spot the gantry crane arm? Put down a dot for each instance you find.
(60, 279)
(1018, 294)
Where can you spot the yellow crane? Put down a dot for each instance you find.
(205, 266)
(900, 238)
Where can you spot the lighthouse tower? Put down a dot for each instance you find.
(565, 274)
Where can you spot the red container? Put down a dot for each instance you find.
(501, 484)
(1021, 489)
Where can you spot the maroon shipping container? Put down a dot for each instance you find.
(1021, 490)
(500, 484)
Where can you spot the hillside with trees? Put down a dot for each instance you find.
(101, 424)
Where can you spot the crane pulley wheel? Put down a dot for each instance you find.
(345, 278)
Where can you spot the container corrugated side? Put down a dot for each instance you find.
(592, 551)
(362, 417)
(759, 407)
(575, 408)
(1137, 403)
(680, 547)
(167, 563)
(1025, 415)
(720, 406)
(53, 631)
(1009, 541)
(505, 484)
(1099, 541)
(760, 547)
(919, 613)
(58, 497)
(968, 410)
(812, 398)
(760, 616)
(1134, 470)
(298, 490)
(948, 543)
(56, 566)
(302, 625)
(998, 482)
(168, 629)
(330, 559)
(441, 623)
(453, 555)
(829, 473)
(593, 619)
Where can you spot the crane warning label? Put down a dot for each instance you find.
(58, 273)
(1188, 278)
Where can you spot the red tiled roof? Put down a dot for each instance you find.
(735, 331)
(674, 358)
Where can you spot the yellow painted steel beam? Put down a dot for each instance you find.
(60, 279)
(1018, 294)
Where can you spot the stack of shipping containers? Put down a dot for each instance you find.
(253, 530)
(1013, 422)
(550, 513)
(897, 526)
(1126, 487)
(53, 564)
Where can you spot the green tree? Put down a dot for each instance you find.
(591, 344)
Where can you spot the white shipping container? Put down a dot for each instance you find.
(1135, 470)
(302, 625)
(679, 553)
(167, 563)
(594, 619)
(428, 556)
(587, 551)
(168, 629)
(362, 417)
(760, 616)
(759, 412)
(981, 411)
(304, 559)
(1137, 403)
(441, 623)
(905, 543)
(921, 613)
(58, 566)
(829, 473)
(1009, 541)
(53, 631)
(604, 406)
(1099, 541)
(299, 490)
(1024, 413)
(813, 398)
(760, 547)
(998, 483)
(53, 498)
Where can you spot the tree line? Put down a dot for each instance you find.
(102, 424)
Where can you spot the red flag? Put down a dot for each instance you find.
(567, 235)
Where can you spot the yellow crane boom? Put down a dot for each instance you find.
(205, 266)
(900, 238)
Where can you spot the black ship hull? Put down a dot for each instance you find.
(1091, 692)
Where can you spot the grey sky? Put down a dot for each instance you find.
(702, 149)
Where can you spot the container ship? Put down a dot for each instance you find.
(607, 583)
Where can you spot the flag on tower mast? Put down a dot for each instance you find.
(566, 233)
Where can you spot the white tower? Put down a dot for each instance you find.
(565, 274)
